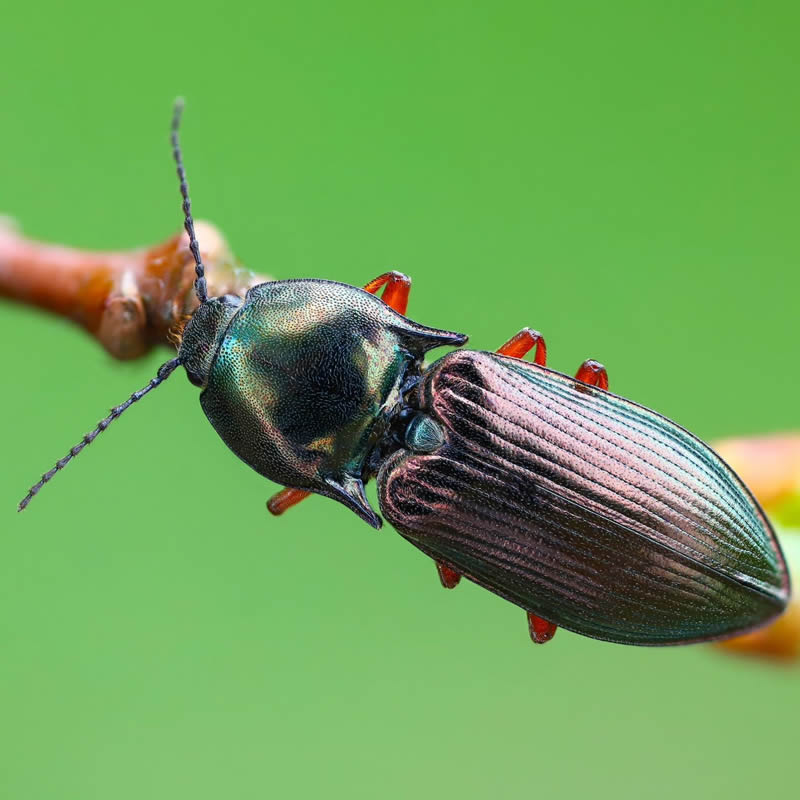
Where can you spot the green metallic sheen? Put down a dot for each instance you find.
(303, 378)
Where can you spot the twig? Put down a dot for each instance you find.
(128, 300)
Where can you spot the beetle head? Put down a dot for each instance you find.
(203, 333)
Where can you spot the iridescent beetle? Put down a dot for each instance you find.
(585, 509)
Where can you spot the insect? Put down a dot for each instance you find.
(585, 509)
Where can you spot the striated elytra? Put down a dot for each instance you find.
(585, 509)
(596, 513)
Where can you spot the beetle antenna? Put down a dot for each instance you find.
(200, 283)
(164, 371)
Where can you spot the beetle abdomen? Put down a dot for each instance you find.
(587, 509)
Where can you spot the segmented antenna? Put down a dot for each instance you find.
(164, 371)
(200, 282)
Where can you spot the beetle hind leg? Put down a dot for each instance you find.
(593, 373)
(448, 576)
(541, 630)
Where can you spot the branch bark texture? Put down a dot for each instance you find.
(128, 300)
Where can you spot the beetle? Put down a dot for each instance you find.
(585, 509)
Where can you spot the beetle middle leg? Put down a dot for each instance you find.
(517, 346)
(395, 295)
(522, 343)
(540, 629)
(593, 373)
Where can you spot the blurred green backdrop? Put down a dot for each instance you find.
(623, 176)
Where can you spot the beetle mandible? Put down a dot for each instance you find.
(585, 509)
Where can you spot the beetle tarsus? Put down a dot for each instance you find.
(522, 343)
(448, 577)
(541, 630)
(593, 373)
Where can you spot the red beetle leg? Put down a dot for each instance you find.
(517, 346)
(395, 295)
(540, 629)
(448, 577)
(593, 373)
(284, 499)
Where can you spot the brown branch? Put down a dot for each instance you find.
(128, 300)
(770, 466)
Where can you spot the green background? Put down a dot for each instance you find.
(622, 176)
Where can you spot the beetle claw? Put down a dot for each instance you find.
(448, 577)
(541, 630)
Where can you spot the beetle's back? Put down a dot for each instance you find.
(585, 508)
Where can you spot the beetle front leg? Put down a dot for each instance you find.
(519, 345)
(593, 373)
(285, 499)
(541, 630)
(395, 295)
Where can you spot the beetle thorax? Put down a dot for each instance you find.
(303, 377)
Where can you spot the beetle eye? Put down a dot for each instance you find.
(424, 435)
